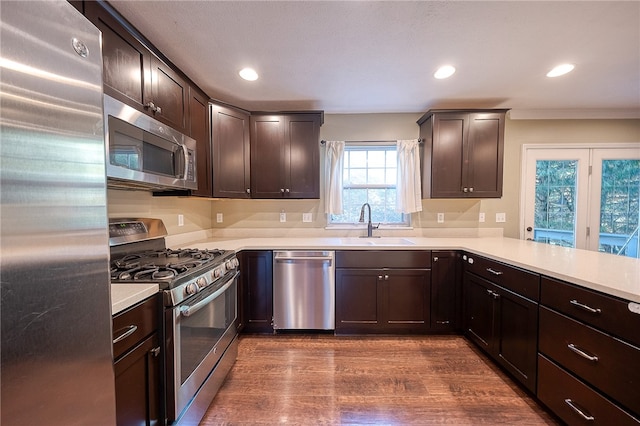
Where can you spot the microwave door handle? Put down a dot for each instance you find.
(182, 165)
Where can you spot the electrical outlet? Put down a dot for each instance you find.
(219, 218)
(481, 217)
(440, 217)
(180, 220)
(307, 217)
(283, 217)
(501, 217)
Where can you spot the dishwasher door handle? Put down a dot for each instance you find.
(320, 258)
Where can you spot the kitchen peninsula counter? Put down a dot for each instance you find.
(126, 295)
(614, 275)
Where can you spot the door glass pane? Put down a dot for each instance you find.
(619, 207)
(555, 202)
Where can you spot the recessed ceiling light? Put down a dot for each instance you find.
(248, 74)
(445, 71)
(560, 70)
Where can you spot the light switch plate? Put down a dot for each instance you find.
(481, 218)
(501, 217)
(219, 217)
(283, 217)
(180, 220)
(440, 217)
(307, 217)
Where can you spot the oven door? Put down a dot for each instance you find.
(203, 328)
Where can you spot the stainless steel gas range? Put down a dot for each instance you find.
(200, 290)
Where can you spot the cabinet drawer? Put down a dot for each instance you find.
(605, 362)
(601, 311)
(517, 280)
(377, 259)
(134, 324)
(568, 397)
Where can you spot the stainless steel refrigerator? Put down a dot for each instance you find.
(54, 274)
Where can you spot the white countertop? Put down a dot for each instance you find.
(614, 275)
(125, 295)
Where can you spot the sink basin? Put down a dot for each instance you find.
(376, 241)
(355, 241)
(386, 241)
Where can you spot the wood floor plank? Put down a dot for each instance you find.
(405, 380)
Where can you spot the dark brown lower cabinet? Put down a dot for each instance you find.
(138, 364)
(138, 385)
(573, 401)
(504, 324)
(256, 296)
(446, 289)
(393, 299)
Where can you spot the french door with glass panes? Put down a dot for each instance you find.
(583, 197)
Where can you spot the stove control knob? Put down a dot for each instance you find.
(202, 282)
(217, 273)
(191, 288)
(230, 264)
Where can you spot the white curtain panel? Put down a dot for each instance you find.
(333, 175)
(408, 189)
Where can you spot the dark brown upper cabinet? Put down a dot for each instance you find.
(231, 152)
(462, 153)
(285, 155)
(199, 130)
(133, 74)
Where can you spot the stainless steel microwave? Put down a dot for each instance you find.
(142, 153)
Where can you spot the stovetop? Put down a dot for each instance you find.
(168, 268)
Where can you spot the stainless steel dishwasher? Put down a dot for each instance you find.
(303, 290)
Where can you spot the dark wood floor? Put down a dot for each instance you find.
(322, 379)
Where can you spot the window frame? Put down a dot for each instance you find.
(370, 146)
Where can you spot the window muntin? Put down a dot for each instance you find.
(369, 176)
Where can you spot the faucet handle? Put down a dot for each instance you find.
(377, 226)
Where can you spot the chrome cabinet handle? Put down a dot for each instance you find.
(282, 190)
(379, 277)
(579, 411)
(585, 307)
(582, 353)
(386, 277)
(494, 272)
(158, 110)
(465, 189)
(471, 189)
(287, 190)
(155, 351)
(248, 190)
(442, 322)
(130, 330)
(435, 259)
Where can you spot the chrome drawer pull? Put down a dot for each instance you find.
(582, 353)
(494, 272)
(580, 412)
(585, 307)
(130, 330)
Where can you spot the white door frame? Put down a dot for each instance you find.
(527, 148)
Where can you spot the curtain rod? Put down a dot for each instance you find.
(324, 141)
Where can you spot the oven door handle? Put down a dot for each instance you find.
(190, 310)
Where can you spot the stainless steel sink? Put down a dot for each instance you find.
(376, 241)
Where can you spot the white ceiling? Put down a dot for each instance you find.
(380, 56)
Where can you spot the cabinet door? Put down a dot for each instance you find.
(517, 336)
(483, 175)
(445, 291)
(357, 300)
(257, 291)
(137, 377)
(302, 156)
(231, 156)
(447, 155)
(199, 130)
(479, 309)
(267, 152)
(126, 61)
(405, 301)
(170, 94)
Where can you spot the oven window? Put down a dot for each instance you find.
(200, 331)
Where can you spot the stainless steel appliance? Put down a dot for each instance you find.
(56, 350)
(200, 296)
(303, 290)
(143, 153)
